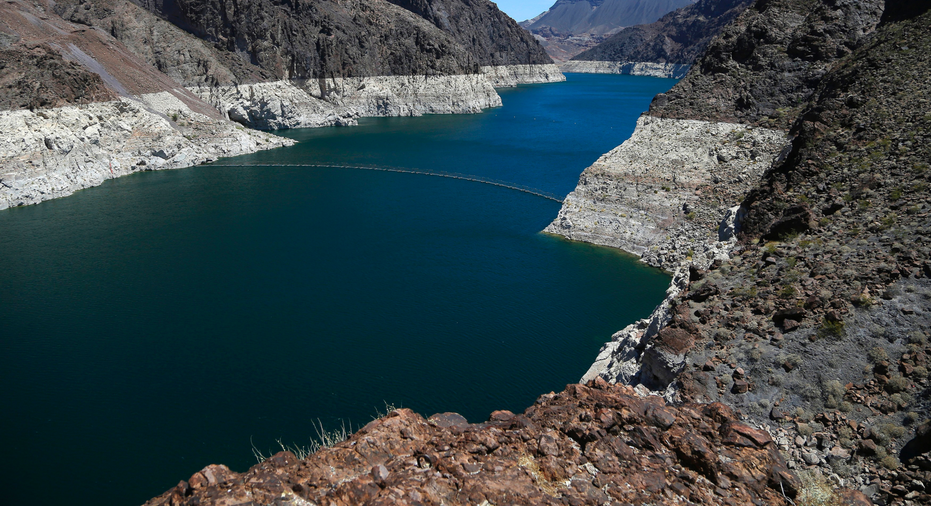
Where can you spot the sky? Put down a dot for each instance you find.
(521, 10)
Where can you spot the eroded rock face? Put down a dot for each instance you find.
(764, 66)
(324, 38)
(586, 445)
(663, 193)
(52, 153)
(490, 35)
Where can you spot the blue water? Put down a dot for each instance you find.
(162, 321)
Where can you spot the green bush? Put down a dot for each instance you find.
(831, 328)
(877, 354)
(897, 383)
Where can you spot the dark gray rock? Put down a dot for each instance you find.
(680, 36)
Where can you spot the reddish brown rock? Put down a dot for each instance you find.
(586, 445)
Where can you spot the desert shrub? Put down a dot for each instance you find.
(816, 490)
(877, 354)
(890, 462)
(897, 383)
(892, 431)
(918, 338)
(831, 329)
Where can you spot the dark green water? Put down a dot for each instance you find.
(157, 323)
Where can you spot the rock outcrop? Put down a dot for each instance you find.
(763, 68)
(51, 153)
(677, 39)
(593, 444)
(491, 36)
(663, 193)
(648, 69)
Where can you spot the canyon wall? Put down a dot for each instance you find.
(182, 79)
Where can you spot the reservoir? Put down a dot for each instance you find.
(165, 321)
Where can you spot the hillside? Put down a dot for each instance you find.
(599, 17)
(679, 37)
(571, 26)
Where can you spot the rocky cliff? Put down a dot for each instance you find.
(185, 76)
(489, 34)
(678, 38)
(813, 316)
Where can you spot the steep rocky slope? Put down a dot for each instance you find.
(508, 55)
(489, 34)
(816, 321)
(324, 38)
(678, 38)
(763, 68)
(572, 26)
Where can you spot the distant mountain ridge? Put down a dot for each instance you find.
(678, 37)
(601, 17)
(572, 26)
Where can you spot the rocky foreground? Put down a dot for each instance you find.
(592, 444)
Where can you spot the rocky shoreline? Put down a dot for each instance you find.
(51, 153)
(97, 89)
(649, 69)
(662, 195)
(813, 321)
(508, 76)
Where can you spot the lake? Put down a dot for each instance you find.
(165, 321)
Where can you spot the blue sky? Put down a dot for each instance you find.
(524, 9)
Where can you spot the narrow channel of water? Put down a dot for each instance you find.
(168, 320)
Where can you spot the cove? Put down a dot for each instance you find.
(168, 320)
